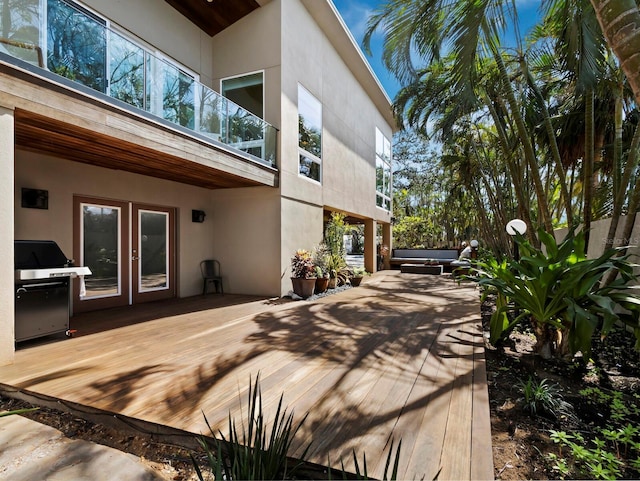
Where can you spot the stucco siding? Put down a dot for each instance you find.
(7, 288)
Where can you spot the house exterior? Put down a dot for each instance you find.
(144, 137)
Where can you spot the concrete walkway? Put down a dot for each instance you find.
(30, 451)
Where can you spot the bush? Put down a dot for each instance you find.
(561, 291)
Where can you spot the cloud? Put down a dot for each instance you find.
(355, 14)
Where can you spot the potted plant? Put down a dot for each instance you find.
(357, 276)
(321, 262)
(334, 240)
(303, 273)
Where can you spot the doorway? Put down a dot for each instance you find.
(130, 249)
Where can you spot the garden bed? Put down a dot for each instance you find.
(530, 447)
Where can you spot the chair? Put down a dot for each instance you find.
(210, 270)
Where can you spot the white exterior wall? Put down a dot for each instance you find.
(284, 40)
(64, 179)
(7, 287)
(598, 238)
(161, 26)
(246, 238)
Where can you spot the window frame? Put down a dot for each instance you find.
(304, 153)
(383, 162)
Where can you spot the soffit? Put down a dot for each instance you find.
(34, 132)
(213, 17)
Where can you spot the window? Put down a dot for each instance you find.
(84, 47)
(77, 44)
(309, 135)
(246, 91)
(383, 171)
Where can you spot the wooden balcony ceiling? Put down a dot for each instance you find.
(213, 17)
(43, 134)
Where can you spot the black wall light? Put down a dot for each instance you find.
(35, 198)
(197, 215)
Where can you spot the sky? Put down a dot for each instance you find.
(355, 14)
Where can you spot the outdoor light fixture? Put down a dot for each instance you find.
(197, 216)
(474, 244)
(516, 226)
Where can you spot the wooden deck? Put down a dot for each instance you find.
(399, 357)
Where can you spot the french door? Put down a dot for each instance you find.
(130, 249)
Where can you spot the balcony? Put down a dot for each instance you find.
(79, 46)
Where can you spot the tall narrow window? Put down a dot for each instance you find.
(309, 134)
(383, 171)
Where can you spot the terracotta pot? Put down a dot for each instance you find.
(303, 287)
(355, 281)
(322, 284)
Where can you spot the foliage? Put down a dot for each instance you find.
(560, 290)
(600, 457)
(334, 240)
(254, 453)
(362, 473)
(359, 271)
(302, 265)
(17, 411)
(322, 259)
(542, 397)
(251, 451)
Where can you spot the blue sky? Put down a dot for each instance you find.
(356, 13)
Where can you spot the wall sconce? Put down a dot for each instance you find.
(35, 198)
(197, 216)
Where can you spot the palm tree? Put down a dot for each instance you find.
(620, 23)
(471, 30)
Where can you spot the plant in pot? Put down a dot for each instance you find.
(303, 273)
(321, 262)
(358, 274)
(334, 240)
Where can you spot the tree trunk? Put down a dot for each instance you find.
(620, 23)
(587, 169)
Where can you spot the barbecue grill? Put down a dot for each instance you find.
(42, 280)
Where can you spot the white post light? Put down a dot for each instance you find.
(516, 226)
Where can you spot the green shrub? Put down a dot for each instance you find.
(541, 397)
(560, 290)
(251, 451)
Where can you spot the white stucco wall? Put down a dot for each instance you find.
(599, 233)
(62, 179)
(241, 228)
(7, 289)
(161, 26)
(247, 239)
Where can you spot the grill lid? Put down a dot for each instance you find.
(38, 254)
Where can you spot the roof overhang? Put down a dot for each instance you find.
(327, 17)
(215, 15)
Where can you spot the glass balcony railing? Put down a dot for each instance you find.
(78, 45)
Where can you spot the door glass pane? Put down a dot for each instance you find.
(101, 249)
(153, 249)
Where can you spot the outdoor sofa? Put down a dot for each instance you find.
(443, 257)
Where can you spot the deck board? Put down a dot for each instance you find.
(399, 357)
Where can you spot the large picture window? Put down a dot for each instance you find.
(383, 171)
(309, 135)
